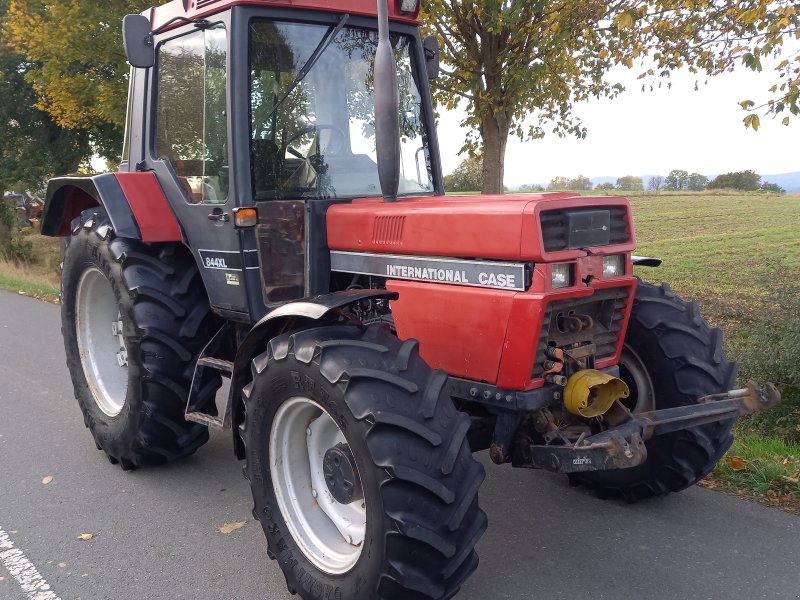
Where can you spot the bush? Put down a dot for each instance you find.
(768, 349)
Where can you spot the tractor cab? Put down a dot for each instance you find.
(265, 106)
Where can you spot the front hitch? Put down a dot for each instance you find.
(622, 446)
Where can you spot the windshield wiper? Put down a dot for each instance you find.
(304, 70)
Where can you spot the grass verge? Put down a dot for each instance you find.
(25, 288)
(763, 468)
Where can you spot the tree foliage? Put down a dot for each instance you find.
(605, 187)
(696, 182)
(677, 180)
(77, 64)
(772, 187)
(630, 183)
(579, 183)
(32, 147)
(521, 66)
(467, 176)
(747, 181)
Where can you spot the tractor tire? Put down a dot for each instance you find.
(408, 522)
(671, 358)
(134, 319)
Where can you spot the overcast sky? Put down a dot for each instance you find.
(652, 133)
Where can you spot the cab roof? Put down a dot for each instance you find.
(202, 8)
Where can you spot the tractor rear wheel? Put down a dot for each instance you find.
(671, 358)
(360, 469)
(134, 319)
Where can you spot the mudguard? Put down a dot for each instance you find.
(134, 202)
(308, 312)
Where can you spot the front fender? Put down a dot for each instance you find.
(301, 314)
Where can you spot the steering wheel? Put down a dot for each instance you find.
(335, 145)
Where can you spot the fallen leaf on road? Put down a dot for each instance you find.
(232, 526)
(1, 578)
(47, 479)
(737, 463)
(85, 537)
(62, 565)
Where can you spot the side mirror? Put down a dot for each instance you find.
(430, 46)
(138, 41)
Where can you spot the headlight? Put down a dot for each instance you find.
(561, 275)
(613, 265)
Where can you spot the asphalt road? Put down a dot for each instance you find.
(155, 537)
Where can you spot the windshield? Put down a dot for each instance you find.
(316, 138)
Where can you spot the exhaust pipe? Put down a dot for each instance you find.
(387, 109)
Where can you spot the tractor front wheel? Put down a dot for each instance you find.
(671, 358)
(361, 473)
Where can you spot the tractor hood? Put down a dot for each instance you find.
(528, 227)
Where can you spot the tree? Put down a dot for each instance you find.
(521, 66)
(558, 183)
(696, 182)
(747, 181)
(677, 180)
(630, 183)
(512, 60)
(32, 147)
(772, 187)
(605, 186)
(531, 187)
(467, 177)
(581, 182)
(76, 63)
(578, 183)
(655, 183)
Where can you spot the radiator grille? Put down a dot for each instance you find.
(204, 3)
(607, 310)
(555, 226)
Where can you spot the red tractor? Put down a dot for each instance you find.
(279, 219)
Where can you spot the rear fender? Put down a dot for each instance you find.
(134, 202)
(302, 314)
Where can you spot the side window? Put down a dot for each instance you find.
(191, 118)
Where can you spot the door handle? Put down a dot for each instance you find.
(219, 216)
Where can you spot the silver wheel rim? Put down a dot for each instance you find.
(634, 373)
(330, 534)
(101, 346)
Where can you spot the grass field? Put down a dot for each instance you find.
(739, 255)
(723, 249)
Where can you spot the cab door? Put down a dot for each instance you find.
(190, 153)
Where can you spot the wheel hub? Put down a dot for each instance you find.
(341, 474)
(317, 486)
(101, 343)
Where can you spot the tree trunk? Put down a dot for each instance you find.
(494, 134)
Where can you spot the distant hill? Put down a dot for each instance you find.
(788, 181)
